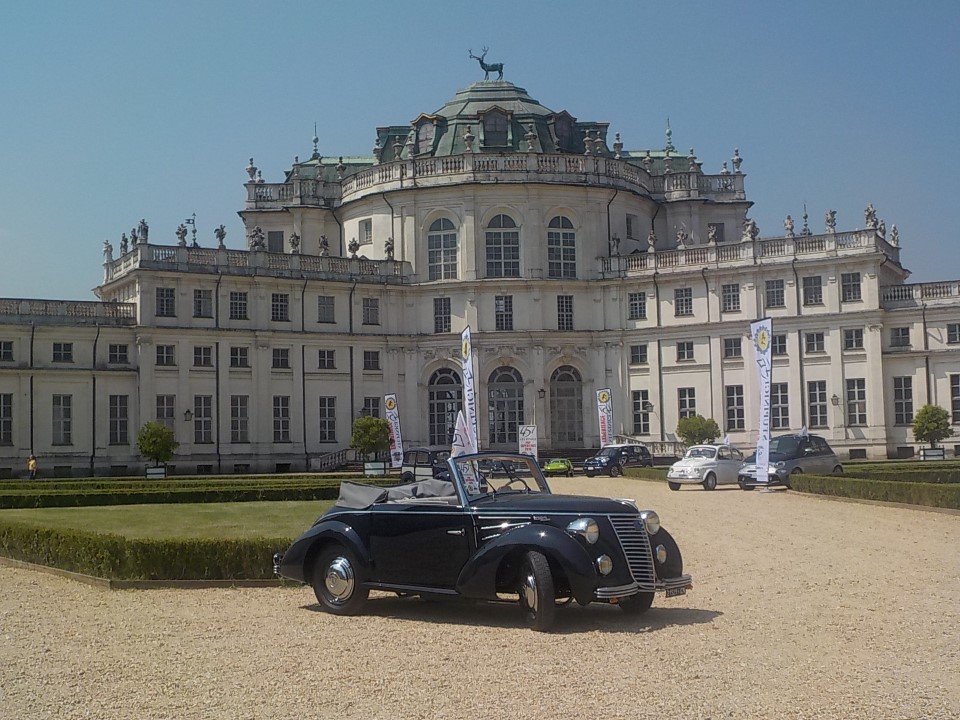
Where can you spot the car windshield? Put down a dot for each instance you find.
(701, 451)
(609, 452)
(494, 474)
(786, 445)
(556, 461)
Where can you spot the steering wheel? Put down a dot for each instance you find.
(517, 479)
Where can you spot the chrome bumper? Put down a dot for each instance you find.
(684, 582)
(277, 561)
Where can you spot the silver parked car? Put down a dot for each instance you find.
(707, 465)
(792, 455)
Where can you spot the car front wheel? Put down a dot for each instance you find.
(672, 485)
(536, 591)
(710, 482)
(744, 486)
(337, 582)
(636, 604)
(615, 470)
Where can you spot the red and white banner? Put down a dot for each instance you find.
(393, 419)
(605, 413)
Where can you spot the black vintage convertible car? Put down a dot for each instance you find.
(485, 535)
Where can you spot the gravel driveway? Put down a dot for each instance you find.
(802, 607)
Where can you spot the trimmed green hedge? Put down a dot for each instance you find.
(118, 558)
(931, 474)
(913, 493)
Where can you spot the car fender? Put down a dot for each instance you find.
(478, 578)
(298, 559)
(673, 567)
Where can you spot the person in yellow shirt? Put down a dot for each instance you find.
(32, 467)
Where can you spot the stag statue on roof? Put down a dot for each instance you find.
(487, 67)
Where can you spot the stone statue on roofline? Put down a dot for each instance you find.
(830, 220)
(894, 236)
(388, 248)
(144, 230)
(788, 226)
(107, 252)
(220, 234)
(182, 235)
(123, 244)
(353, 246)
(651, 241)
(870, 216)
(294, 244)
(712, 234)
(882, 229)
(256, 239)
(750, 230)
(682, 238)
(134, 238)
(324, 246)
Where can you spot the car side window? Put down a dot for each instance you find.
(723, 454)
(737, 455)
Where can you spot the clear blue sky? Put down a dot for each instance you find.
(116, 111)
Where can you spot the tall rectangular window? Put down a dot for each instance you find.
(683, 302)
(275, 241)
(117, 354)
(638, 354)
(442, 250)
(371, 360)
(641, 412)
(62, 420)
(503, 247)
(637, 306)
(732, 347)
(366, 232)
(503, 312)
(280, 307)
(814, 342)
(166, 302)
(239, 356)
(953, 334)
(119, 419)
(63, 352)
(238, 305)
(166, 355)
(774, 294)
(371, 407)
(327, 420)
(684, 350)
(281, 358)
(813, 290)
(6, 350)
(166, 410)
(564, 312)
(735, 413)
(203, 419)
(6, 418)
(561, 249)
(686, 402)
(903, 400)
(779, 406)
(239, 418)
(955, 398)
(203, 303)
(730, 297)
(325, 309)
(856, 401)
(325, 360)
(853, 339)
(817, 403)
(632, 227)
(281, 418)
(203, 356)
(441, 315)
(850, 287)
(371, 311)
(778, 344)
(900, 337)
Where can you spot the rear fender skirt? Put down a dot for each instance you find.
(478, 578)
(298, 559)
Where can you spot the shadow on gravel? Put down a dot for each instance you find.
(572, 618)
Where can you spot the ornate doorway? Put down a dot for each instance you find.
(445, 398)
(566, 407)
(504, 408)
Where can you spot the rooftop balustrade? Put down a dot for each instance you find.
(71, 312)
(481, 167)
(916, 294)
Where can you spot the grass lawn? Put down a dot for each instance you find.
(188, 520)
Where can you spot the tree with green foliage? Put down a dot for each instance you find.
(697, 429)
(155, 441)
(931, 424)
(370, 435)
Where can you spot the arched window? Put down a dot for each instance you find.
(561, 248)
(445, 393)
(566, 407)
(494, 129)
(505, 406)
(442, 250)
(503, 247)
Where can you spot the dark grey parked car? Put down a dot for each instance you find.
(791, 455)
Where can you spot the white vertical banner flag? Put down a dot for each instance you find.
(527, 440)
(605, 413)
(761, 333)
(469, 389)
(393, 420)
(460, 445)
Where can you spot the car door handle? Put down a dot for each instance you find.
(455, 532)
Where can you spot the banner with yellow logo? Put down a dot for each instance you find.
(469, 390)
(761, 332)
(605, 413)
(393, 419)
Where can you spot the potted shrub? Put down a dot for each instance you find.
(371, 436)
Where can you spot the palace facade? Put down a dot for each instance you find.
(577, 264)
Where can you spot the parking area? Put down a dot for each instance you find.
(802, 607)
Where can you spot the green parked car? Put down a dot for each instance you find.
(558, 466)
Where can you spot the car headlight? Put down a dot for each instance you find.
(586, 528)
(780, 465)
(651, 521)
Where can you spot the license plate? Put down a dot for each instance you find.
(674, 592)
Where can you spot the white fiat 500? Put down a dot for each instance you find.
(706, 465)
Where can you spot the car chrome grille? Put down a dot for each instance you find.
(636, 547)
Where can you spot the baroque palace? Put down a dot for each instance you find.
(577, 264)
